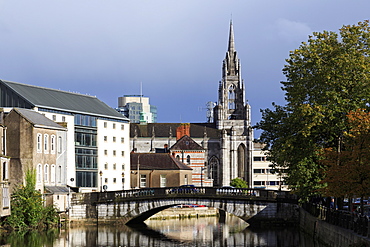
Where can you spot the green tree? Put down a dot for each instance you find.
(238, 183)
(27, 207)
(326, 78)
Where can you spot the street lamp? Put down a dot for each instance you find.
(101, 181)
(138, 171)
(201, 176)
(123, 180)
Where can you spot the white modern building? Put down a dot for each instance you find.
(98, 149)
(137, 108)
(263, 175)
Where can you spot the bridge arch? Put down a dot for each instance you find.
(135, 206)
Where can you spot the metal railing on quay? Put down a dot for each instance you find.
(354, 221)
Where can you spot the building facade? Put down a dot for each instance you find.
(137, 108)
(227, 141)
(97, 136)
(4, 172)
(264, 176)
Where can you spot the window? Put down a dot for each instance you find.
(5, 171)
(6, 197)
(105, 180)
(272, 182)
(114, 166)
(54, 118)
(163, 180)
(105, 152)
(188, 159)
(259, 183)
(186, 179)
(122, 140)
(105, 124)
(122, 127)
(122, 153)
(39, 143)
(106, 166)
(114, 139)
(46, 173)
(86, 179)
(46, 143)
(52, 147)
(177, 157)
(259, 158)
(63, 118)
(114, 125)
(123, 166)
(105, 138)
(258, 170)
(114, 152)
(142, 181)
(39, 173)
(52, 174)
(59, 174)
(60, 147)
(114, 180)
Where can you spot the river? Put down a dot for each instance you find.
(164, 233)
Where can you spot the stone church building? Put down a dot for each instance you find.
(227, 140)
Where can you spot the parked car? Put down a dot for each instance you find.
(185, 189)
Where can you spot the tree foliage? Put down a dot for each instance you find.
(326, 78)
(239, 183)
(27, 210)
(348, 169)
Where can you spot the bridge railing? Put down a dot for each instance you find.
(200, 192)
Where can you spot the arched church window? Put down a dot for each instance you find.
(232, 92)
(213, 166)
(188, 159)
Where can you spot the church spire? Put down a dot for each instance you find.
(231, 47)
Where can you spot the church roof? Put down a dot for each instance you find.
(186, 143)
(61, 100)
(37, 119)
(166, 130)
(156, 161)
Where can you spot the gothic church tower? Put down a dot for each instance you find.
(232, 117)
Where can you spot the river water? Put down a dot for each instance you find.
(164, 233)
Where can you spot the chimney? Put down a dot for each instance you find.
(183, 129)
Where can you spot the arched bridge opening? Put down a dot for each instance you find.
(135, 206)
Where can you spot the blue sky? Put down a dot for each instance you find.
(175, 48)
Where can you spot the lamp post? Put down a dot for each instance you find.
(201, 176)
(101, 181)
(138, 171)
(123, 180)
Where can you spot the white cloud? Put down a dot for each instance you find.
(292, 31)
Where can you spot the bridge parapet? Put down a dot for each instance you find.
(252, 205)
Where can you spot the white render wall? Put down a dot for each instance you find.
(106, 158)
(70, 144)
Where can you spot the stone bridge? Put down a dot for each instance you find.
(255, 206)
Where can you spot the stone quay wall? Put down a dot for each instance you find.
(329, 234)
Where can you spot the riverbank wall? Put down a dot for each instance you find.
(328, 234)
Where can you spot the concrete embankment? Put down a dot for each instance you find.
(328, 234)
(181, 213)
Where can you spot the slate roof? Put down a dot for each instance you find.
(37, 119)
(163, 130)
(62, 100)
(57, 189)
(186, 143)
(156, 161)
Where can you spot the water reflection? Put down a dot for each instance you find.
(164, 233)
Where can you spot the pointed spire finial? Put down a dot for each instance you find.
(231, 38)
